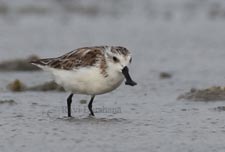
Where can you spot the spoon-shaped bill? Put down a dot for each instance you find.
(126, 74)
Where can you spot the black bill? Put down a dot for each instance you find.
(126, 74)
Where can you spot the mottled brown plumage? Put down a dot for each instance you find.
(82, 57)
(120, 50)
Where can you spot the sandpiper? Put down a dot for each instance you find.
(90, 71)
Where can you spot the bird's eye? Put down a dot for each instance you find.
(130, 60)
(115, 59)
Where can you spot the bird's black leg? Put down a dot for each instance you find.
(69, 101)
(90, 105)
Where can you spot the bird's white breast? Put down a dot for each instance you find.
(88, 80)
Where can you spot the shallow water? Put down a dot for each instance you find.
(147, 117)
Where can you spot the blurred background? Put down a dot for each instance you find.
(52, 27)
(176, 45)
(170, 35)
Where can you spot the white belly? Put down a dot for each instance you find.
(87, 81)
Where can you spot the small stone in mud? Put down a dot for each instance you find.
(83, 101)
(210, 94)
(165, 75)
(19, 64)
(220, 108)
(183, 109)
(48, 86)
(16, 86)
(10, 102)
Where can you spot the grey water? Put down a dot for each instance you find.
(181, 37)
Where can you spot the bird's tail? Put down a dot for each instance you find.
(41, 63)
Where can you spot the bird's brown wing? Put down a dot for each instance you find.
(82, 57)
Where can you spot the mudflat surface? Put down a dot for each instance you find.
(185, 39)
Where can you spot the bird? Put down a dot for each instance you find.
(92, 71)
